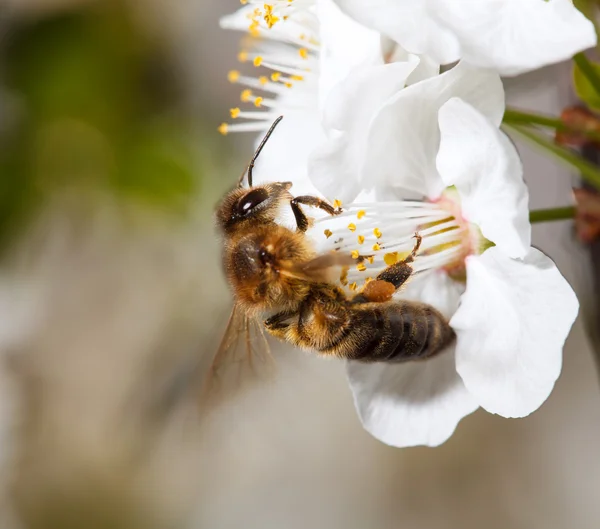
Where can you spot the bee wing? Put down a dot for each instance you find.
(243, 356)
(319, 269)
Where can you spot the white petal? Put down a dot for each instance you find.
(238, 20)
(511, 326)
(344, 46)
(334, 167)
(285, 156)
(514, 36)
(486, 169)
(415, 403)
(409, 23)
(410, 404)
(436, 289)
(404, 136)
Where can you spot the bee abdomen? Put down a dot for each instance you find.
(402, 331)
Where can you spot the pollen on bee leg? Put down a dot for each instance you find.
(391, 258)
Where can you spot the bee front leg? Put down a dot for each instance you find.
(301, 219)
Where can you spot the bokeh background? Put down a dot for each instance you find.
(111, 301)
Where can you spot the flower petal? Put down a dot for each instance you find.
(404, 137)
(511, 326)
(514, 36)
(410, 404)
(285, 156)
(409, 23)
(414, 403)
(345, 45)
(333, 167)
(486, 169)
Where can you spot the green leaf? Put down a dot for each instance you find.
(586, 76)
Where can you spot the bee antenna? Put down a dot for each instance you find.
(257, 152)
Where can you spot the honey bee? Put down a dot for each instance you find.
(275, 274)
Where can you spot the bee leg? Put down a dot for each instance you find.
(398, 273)
(301, 218)
(277, 325)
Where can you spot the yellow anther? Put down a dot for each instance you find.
(269, 17)
(258, 102)
(368, 280)
(235, 112)
(391, 258)
(352, 226)
(361, 214)
(223, 127)
(246, 95)
(233, 76)
(376, 247)
(352, 286)
(377, 233)
(361, 239)
(302, 36)
(371, 258)
(337, 203)
(257, 61)
(243, 2)
(275, 76)
(355, 254)
(243, 56)
(297, 78)
(328, 233)
(263, 80)
(288, 85)
(361, 267)
(303, 53)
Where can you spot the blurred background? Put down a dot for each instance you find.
(111, 291)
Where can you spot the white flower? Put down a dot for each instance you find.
(510, 307)
(311, 47)
(511, 36)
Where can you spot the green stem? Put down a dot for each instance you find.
(587, 69)
(518, 117)
(589, 172)
(548, 215)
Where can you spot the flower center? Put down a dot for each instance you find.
(380, 234)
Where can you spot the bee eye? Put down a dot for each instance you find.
(250, 201)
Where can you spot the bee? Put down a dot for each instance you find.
(282, 285)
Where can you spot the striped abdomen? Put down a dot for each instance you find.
(395, 332)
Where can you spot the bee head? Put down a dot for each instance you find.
(252, 207)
